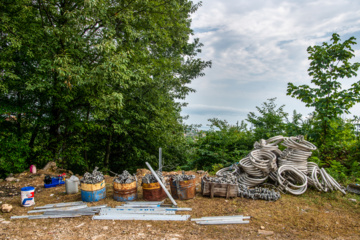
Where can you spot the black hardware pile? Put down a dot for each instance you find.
(92, 178)
(226, 178)
(182, 177)
(258, 193)
(125, 177)
(149, 178)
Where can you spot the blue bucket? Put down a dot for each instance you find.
(93, 196)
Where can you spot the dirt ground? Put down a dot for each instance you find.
(312, 215)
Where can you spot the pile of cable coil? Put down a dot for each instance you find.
(288, 170)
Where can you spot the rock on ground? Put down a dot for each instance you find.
(6, 208)
(264, 232)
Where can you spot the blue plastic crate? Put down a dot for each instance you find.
(55, 181)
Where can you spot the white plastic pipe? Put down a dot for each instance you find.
(161, 184)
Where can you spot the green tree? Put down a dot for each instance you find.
(80, 75)
(223, 144)
(330, 62)
(270, 122)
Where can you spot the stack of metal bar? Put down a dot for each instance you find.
(219, 220)
(142, 211)
(62, 210)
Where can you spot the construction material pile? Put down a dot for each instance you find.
(289, 169)
(125, 177)
(150, 178)
(182, 177)
(62, 210)
(143, 211)
(92, 178)
(225, 178)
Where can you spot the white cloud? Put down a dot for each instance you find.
(257, 47)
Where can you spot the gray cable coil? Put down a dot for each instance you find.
(233, 169)
(250, 169)
(290, 180)
(261, 164)
(248, 181)
(263, 160)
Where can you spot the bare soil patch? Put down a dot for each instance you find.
(312, 215)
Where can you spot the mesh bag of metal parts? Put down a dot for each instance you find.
(125, 177)
(92, 178)
(228, 178)
(149, 178)
(182, 177)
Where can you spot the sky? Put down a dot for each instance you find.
(257, 47)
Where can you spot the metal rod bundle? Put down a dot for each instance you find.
(221, 220)
(157, 217)
(62, 210)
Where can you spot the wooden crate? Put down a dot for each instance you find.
(218, 189)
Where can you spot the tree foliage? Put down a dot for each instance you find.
(270, 122)
(223, 144)
(330, 62)
(96, 82)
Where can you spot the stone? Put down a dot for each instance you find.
(266, 233)
(6, 208)
(200, 172)
(80, 225)
(10, 179)
(262, 227)
(352, 199)
(105, 228)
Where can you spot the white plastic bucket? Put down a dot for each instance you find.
(27, 196)
(71, 185)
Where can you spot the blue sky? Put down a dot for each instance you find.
(257, 47)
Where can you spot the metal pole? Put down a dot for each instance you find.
(160, 159)
(123, 216)
(161, 184)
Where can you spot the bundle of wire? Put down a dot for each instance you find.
(233, 169)
(321, 180)
(289, 169)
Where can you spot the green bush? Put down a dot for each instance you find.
(223, 144)
(13, 154)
